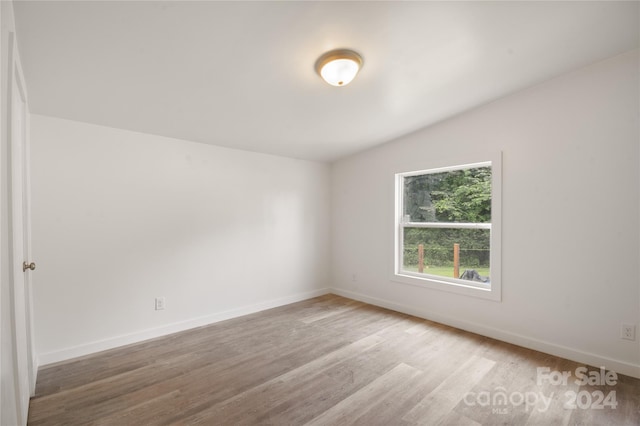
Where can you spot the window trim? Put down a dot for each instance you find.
(492, 291)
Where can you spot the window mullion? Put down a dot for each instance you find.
(453, 225)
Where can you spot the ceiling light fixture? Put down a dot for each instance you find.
(339, 67)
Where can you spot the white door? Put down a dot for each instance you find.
(20, 238)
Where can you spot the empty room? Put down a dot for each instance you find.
(320, 213)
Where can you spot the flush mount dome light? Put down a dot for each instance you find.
(339, 67)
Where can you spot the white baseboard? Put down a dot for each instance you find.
(126, 339)
(618, 366)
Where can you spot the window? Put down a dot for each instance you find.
(448, 228)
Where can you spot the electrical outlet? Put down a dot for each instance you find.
(628, 332)
(159, 303)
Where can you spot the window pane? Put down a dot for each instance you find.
(438, 252)
(459, 196)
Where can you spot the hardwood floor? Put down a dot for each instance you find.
(324, 361)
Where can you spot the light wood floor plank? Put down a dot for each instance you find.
(388, 386)
(455, 419)
(280, 388)
(437, 405)
(330, 311)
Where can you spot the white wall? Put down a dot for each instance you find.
(120, 218)
(570, 216)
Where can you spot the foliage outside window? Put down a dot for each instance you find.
(444, 227)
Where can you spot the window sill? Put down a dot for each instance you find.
(480, 290)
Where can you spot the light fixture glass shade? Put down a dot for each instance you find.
(339, 67)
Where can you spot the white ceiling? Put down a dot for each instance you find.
(241, 74)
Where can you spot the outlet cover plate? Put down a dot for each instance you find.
(159, 303)
(628, 332)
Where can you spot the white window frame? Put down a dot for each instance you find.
(490, 291)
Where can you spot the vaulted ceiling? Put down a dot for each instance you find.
(241, 74)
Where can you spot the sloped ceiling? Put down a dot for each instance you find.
(241, 74)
